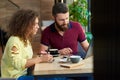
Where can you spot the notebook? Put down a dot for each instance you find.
(90, 50)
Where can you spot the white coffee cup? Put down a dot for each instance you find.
(75, 58)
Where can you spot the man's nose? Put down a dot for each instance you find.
(65, 21)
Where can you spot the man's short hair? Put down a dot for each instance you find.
(59, 8)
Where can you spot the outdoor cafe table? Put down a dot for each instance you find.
(85, 68)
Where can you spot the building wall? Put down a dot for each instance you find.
(8, 7)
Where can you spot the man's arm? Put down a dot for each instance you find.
(43, 48)
(63, 51)
(85, 45)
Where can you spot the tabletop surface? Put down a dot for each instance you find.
(85, 66)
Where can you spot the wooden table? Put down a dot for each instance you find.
(54, 69)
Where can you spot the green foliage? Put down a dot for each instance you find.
(79, 12)
(89, 36)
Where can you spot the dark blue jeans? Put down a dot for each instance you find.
(52, 78)
(83, 78)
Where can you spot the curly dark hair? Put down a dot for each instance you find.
(22, 23)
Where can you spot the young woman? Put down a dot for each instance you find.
(17, 57)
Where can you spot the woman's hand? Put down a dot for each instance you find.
(46, 58)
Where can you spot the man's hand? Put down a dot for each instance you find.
(65, 51)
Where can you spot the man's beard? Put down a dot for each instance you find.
(60, 27)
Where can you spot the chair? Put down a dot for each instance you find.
(3, 39)
(25, 78)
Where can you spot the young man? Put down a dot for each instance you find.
(63, 34)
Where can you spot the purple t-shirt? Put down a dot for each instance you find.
(52, 38)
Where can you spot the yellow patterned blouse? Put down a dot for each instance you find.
(14, 58)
